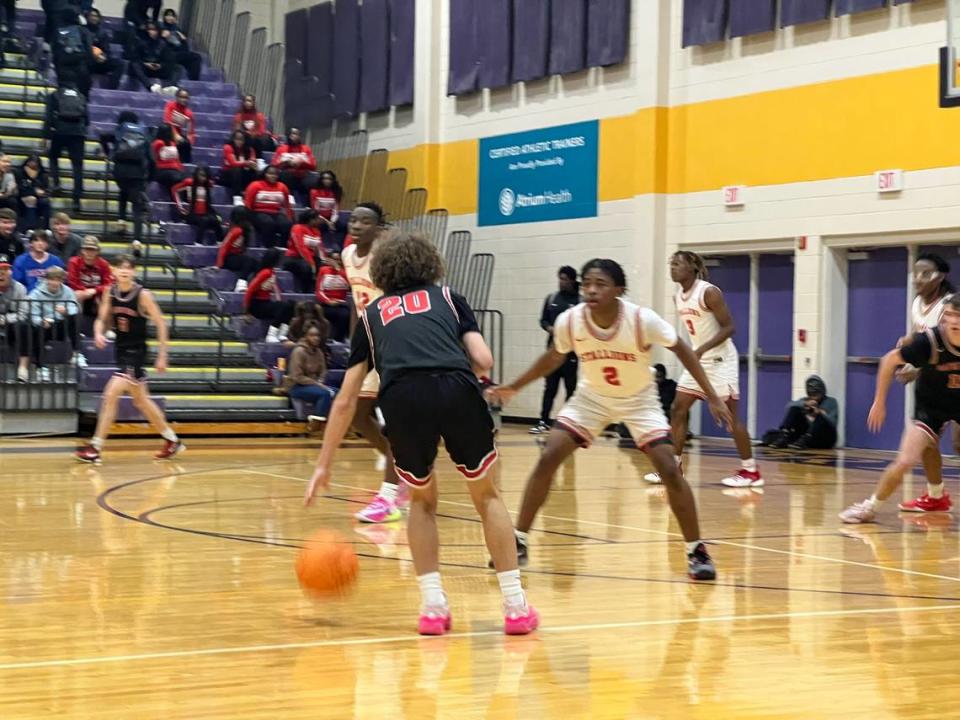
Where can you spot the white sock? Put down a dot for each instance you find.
(513, 595)
(692, 545)
(388, 491)
(97, 443)
(431, 590)
(749, 465)
(169, 434)
(523, 537)
(935, 491)
(678, 459)
(875, 502)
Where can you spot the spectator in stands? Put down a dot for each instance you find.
(810, 422)
(239, 165)
(304, 314)
(198, 208)
(264, 301)
(34, 193)
(306, 371)
(295, 161)
(304, 248)
(185, 57)
(9, 193)
(167, 167)
(233, 250)
(53, 312)
(325, 198)
(254, 124)
(152, 62)
(32, 265)
(13, 316)
(129, 154)
(178, 115)
(135, 12)
(11, 242)
(65, 126)
(63, 243)
(333, 288)
(103, 62)
(89, 275)
(269, 201)
(666, 388)
(72, 49)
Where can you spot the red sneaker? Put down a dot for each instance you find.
(744, 479)
(170, 448)
(88, 454)
(925, 504)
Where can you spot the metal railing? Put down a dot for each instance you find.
(491, 327)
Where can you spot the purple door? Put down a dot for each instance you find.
(876, 319)
(774, 339)
(732, 276)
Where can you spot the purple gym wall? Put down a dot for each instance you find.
(774, 337)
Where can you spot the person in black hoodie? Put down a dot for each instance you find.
(186, 58)
(65, 126)
(129, 154)
(100, 39)
(153, 63)
(72, 51)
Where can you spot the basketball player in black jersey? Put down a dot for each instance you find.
(936, 352)
(424, 341)
(126, 307)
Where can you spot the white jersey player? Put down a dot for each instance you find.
(612, 339)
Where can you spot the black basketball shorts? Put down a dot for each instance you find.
(423, 407)
(131, 362)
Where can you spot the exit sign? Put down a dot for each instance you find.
(889, 181)
(733, 195)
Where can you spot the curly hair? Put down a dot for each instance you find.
(699, 267)
(407, 261)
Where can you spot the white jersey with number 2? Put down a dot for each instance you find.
(358, 274)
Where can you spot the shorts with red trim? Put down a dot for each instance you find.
(931, 419)
(723, 374)
(588, 413)
(422, 407)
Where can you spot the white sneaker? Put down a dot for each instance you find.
(43, 375)
(156, 88)
(170, 91)
(238, 199)
(23, 374)
(744, 479)
(241, 286)
(272, 335)
(861, 512)
(653, 478)
(80, 361)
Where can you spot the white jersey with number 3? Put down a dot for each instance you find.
(358, 274)
(615, 361)
(701, 323)
(925, 317)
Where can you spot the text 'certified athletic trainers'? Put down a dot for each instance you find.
(925, 504)
(700, 565)
(88, 454)
(434, 621)
(378, 511)
(520, 621)
(861, 512)
(744, 478)
(170, 449)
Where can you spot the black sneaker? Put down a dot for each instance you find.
(699, 564)
(521, 555)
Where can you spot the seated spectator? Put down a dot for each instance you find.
(304, 247)
(89, 275)
(63, 243)
(304, 314)
(11, 242)
(295, 161)
(666, 388)
(167, 167)
(127, 149)
(8, 185)
(232, 255)
(269, 202)
(33, 265)
(333, 289)
(264, 301)
(306, 370)
(179, 117)
(103, 64)
(185, 57)
(239, 165)
(254, 124)
(152, 62)
(13, 317)
(53, 313)
(325, 198)
(34, 191)
(198, 208)
(65, 125)
(810, 422)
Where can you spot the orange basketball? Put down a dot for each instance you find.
(327, 565)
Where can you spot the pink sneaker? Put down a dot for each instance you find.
(744, 478)
(521, 622)
(379, 510)
(434, 621)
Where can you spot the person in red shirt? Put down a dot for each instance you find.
(239, 165)
(264, 301)
(179, 117)
(168, 170)
(194, 199)
(333, 287)
(254, 124)
(269, 201)
(233, 250)
(325, 198)
(89, 275)
(303, 249)
(296, 163)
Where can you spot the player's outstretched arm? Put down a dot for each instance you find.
(691, 362)
(103, 318)
(715, 303)
(544, 365)
(341, 415)
(888, 368)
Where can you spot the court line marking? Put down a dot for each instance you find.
(560, 629)
(746, 546)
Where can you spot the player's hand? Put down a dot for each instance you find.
(721, 413)
(907, 374)
(161, 364)
(878, 413)
(100, 341)
(501, 394)
(319, 479)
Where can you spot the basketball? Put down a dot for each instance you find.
(327, 565)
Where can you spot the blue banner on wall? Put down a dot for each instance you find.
(548, 174)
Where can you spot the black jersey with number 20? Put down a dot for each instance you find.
(418, 329)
